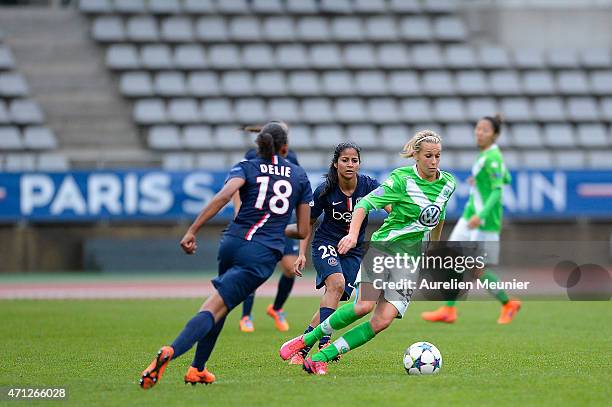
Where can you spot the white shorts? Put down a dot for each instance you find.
(399, 301)
(462, 233)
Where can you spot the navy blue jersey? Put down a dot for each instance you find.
(291, 156)
(271, 192)
(338, 210)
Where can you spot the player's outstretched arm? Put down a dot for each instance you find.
(350, 240)
(301, 229)
(188, 243)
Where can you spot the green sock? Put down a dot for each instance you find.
(354, 338)
(341, 318)
(451, 303)
(499, 294)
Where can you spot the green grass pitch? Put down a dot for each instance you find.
(555, 353)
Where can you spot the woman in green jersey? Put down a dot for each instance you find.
(482, 217)
(418, 195)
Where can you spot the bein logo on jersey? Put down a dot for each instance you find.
(345, 216)
(430, 215)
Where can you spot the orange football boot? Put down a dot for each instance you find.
(194, 376)
(509, 311)
(280, 319)
(153, 373)
(443, 314)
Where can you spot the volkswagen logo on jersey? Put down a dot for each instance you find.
(430, 215)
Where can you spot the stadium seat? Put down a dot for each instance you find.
(150, 111)
(529, 58)
(471, 83)
(491, 57)
(350, 110)
(404, 83)
(479, 107)
(130, 6)
(516, 109)
(233, 7)
(304, 83)
(416, 110)
(25, 111)
(392, 56)
(291, 56)
(571, 159)
(593, 135)
(142, 29)
(459, 136)
(224, 57)
(583, 109)
(383, 110)
(416, 29)
(164, 6)
(250, 110)
(449, 110)
(259, 56)
(211, 29)
(301, 6)
(170, 83)
(438, 83)
(197, 137)
(217, 111)
(203, 84)
(325, 56)
(136, 84)
(464, 160)
(460, 56)
(52, 162)
(7, 61)
(606, 109)
(244, 29)
(278, 29)
(394, 137)
(122, 57)
(599, 159)
(347, 29)
(549, 109)
(12, 85)
(374, 161)
(156, 56)
(335, 6)
(313, 29)
(504, 83)
(328, 136)
(596, 58)
(10, 138)
(338, 83)
(559, 136)
(267, 7)
(538, 83)
(95, 6)
(286, 109)
(189, 57)
(195, 7)
(178, 162)
(299, 138)
(4, 114)
(39, 138)
(573, 83)
(211, 161)
(183, 111)
(381, 28)
(562, 58)
(236, 83)
(359, 56)
(405, 6)
(538, 159)
(317, 110)
(371, 83)
(108, 29)
(601, 82)
(230, 138)
(19, 162)
(369, 7)
(427, 57)
(363, 135)
(311, 160)
(526, 136)
(164, 138)
(271, 83)
(449, 29)
(177, 29)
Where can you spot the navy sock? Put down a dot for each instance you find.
(285, 284)
(324, 313)
(247, 305)
(206, 345)
(196, 329)
(306, 349)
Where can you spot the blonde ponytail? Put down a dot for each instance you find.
(413, 146)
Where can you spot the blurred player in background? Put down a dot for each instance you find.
(270, 189)
(342, 189)
(418, 196)
(482, 216)
(285, 283)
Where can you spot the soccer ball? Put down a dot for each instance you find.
(422, 358)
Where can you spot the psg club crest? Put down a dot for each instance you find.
(332, 261)
(430, 215)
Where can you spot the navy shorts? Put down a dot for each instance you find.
(326, 261)
(243, 266)
(292, 247)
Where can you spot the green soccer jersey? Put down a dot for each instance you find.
(489, 174)
(417, 205)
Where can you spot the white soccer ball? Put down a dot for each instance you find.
(422, 358)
